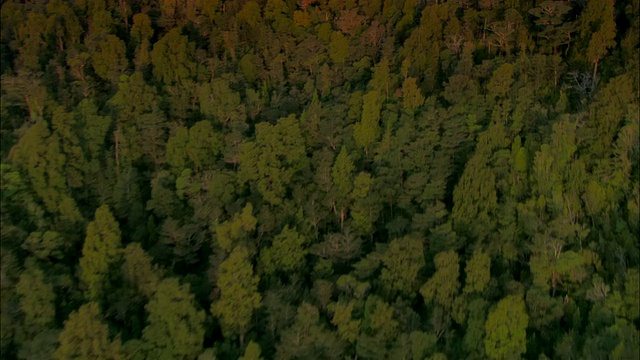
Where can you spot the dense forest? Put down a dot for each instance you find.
(320, 179)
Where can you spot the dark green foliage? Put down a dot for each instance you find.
(280, 179)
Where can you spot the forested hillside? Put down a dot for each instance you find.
(320, 179)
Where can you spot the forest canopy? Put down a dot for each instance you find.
(320, 179)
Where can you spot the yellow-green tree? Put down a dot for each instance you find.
(443, 286)
(101, 249)
(402, 262)
(172, 58)
(506, 329)
(366, 131)
(37, 300)
(85, 336)
(239, 296)
(478, 272)
(286, 253)
(175, 327)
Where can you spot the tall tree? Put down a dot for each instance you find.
(367, 130)
(101, 249)
(239, 296)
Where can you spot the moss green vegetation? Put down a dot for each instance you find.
(320, 179)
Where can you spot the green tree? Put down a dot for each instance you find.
(475, 199)
(378, 330)
(41, 346)
(348, 328)
(252, 352)
(382, 79)
(141, 33)
(366, 131)
(506, 329)
(308, 338)
(477, 272)
(342, 180)
(175, 327)
(551, 266)
(172, 58)
(45, 245)
(287, 252)
(101, 249)
(250, 14)
(141, 125)
(86, 336)
(109, 58)
(474, 335)
(32, 35)
(65, 126)
(443, 286)
(218, 101)
(338, 48)
(63, 24)
(239, 296)
(273, 158)
(38, 154)
(233, 231)
(550, 18)
(402, 261)
(37, 300)
(600, 19)
(543, 309)
(138, 271)
(412, 98)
